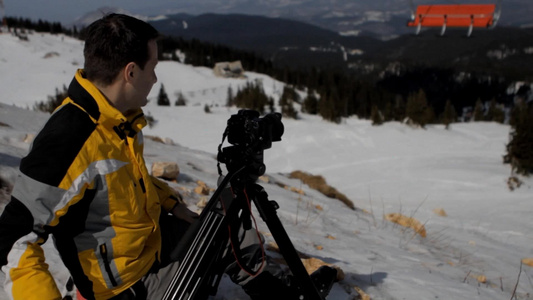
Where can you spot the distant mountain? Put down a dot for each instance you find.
(92, 16)
(505, 50)
(384, 19)
(256, 33)
(285, 42)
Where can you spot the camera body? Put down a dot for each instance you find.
(250, 135)
(248, 129)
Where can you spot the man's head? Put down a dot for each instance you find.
(114, 41)
(123, 49)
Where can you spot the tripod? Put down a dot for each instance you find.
(202, 250)
(200, 256)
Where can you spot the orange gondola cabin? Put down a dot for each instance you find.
(454, 15)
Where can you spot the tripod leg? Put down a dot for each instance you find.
(267, 210)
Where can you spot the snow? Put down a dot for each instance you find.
(392, 168)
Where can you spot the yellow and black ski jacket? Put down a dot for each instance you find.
(84, 182)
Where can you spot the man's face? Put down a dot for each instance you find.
(144, 79)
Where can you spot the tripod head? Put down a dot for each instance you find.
(250, 135)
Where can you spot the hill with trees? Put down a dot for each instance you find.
(409, 79)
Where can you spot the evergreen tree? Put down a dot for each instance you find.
(516, 114)
(489, 116)
(162, 97)
(399, 109)
(271, 105)
(417, 109)
(520, 148)
(53, 101)
(310, 104)
(377, 116)
(229, 97)
(149, 120)
(479, 114)
(362, 98)
(288, 97)
(252, 96)
(495, 113)
(449, 115)
(499, 115)
(327, 107)
(388, 113)
(181, 101)
(291, 93)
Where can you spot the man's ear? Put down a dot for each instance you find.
(129, 71)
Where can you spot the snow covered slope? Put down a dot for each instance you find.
(472, 252)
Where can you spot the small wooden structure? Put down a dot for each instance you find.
(229, 69)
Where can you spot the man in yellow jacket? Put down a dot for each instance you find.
(85, 183)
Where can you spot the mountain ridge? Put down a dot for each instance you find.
(298, 44)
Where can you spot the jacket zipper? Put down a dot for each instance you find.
(120, 132)
(107, 266)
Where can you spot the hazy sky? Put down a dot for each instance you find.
(67, 11)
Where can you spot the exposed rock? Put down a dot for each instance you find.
(202, 188)
(28, 139)
(165, 170)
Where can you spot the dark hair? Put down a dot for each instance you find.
(114, 41)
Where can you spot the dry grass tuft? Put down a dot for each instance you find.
(528, 261)
(407, 222)
(318, 183)
(440, 211)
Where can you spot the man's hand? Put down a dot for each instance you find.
(182, 212)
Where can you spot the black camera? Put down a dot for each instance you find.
(247, 129)
(250, 135)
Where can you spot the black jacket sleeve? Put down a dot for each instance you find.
(16, 221)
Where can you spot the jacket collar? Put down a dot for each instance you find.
(84, 93)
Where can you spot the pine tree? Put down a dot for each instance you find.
(449, 115)
(252, 96)
(388, 114)
(271, 105)
(229, 97)
(495, 113)
(162, 97)
(149, 120)
(489, 116)
(399, 109)
(327, 107)
(515, 115)
(479, 115)
(53, 101)
(288, 97)
(376, 116)
(430, 115)
(310, 104)
(417, 109)
(520, 148)
(181, 101)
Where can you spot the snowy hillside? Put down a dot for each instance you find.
(452, 181)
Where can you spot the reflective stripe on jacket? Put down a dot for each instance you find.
(86, 183)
